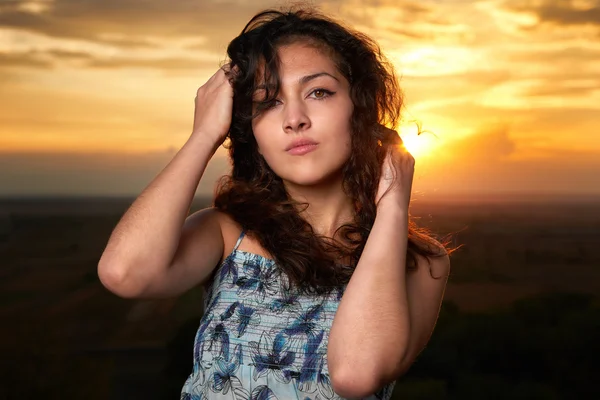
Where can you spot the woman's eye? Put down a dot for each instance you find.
(273, 103)
(321, 93)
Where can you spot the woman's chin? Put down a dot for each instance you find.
(313, 179)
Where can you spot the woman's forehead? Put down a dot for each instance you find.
(297, 63)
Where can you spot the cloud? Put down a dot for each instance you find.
(575, 55)
(561, 128)
(121, 117)
(395, 22)
(168, 64)
(409, 33)
(560, 12)
(135, 20)
(23, 59)
(569, 71)
(49, 59)
(65, 54)
(493, 144)
(486, 163)
(563, 90)
(129, 43)
(129, 23)
(364, 11)
(451, 87)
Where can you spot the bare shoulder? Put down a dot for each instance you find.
(231, 230)
(221, 225)
(438, 266)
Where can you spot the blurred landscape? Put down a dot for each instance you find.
(520, 320)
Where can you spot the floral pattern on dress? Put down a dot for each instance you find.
(260, 341)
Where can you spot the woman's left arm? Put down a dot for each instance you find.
(386, 315)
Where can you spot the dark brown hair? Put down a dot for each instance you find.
(255, 197)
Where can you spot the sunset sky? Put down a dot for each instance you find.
(96, 96)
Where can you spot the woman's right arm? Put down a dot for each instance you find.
(156, 250)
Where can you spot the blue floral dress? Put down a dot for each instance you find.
(257, 340)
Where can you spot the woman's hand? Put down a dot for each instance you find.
(213, 106)
(395, 183)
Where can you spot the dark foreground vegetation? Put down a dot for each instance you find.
(521, 319)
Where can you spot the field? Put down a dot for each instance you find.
(68, 337)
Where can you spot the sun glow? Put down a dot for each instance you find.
(418, 142)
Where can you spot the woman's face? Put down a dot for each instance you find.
(305, 135)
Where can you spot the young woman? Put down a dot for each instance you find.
(318, 286)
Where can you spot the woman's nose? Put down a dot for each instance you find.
(295, 117)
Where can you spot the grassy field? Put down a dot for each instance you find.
(70, 338)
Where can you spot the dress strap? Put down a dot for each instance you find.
(239, 240)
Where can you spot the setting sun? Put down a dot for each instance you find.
(418, 144)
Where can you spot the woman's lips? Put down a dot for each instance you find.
(302, 149)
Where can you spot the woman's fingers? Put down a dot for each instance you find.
(229, 72)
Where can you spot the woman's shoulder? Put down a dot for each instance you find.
(438, 264)
(232, 230)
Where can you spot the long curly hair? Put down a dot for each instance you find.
(255, 197)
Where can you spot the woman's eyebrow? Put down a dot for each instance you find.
(303, 80)
(309, 78)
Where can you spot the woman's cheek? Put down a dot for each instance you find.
(271, 155)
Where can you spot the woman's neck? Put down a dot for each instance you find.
(328, 206)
